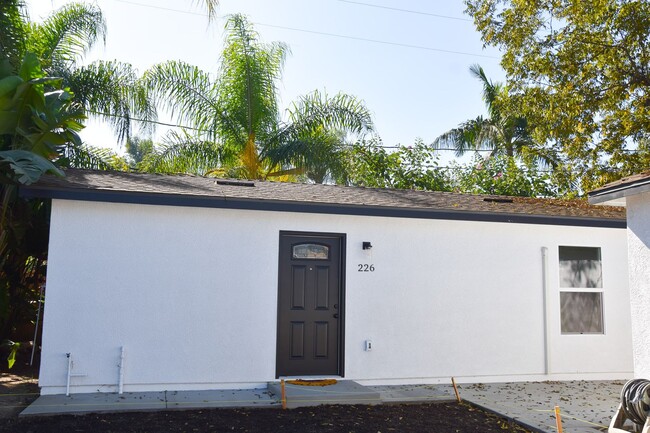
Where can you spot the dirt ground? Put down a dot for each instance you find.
(20, 387)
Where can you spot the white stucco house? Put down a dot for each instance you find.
(634, 193)
(187, 283)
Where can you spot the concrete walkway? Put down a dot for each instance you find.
(586, 406)
(148, 401)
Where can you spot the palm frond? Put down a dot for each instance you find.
(454, 138)
(342, 112)
(91, 157)
(491, 91)
(318, 154)
(472, 135)
(210, 6)
(316, 131)
(289, 172)
(545, 157)
(488, 135)
(185, 153)
(187, 92)
(113, 91)
(13, 19)
(67, 35)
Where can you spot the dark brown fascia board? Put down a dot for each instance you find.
(223, 202)
(619, 191)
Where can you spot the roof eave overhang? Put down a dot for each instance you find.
(618, 192)
(102, 195)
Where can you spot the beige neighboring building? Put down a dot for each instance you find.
(634, 193)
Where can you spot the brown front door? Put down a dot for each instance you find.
(310, 304)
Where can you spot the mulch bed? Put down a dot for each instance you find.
(403, 418)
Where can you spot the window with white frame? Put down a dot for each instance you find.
(581, 294)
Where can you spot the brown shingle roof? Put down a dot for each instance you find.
(628, 181)
(200, 191)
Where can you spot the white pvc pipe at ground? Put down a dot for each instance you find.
(67, 384)
(120, 383)
(70, 374)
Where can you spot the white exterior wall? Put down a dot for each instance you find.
(191, 293)
(638, 222)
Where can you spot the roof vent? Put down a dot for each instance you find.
(498, 200)
(235, 182)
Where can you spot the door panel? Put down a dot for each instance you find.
(298, 289)
(322, 288)
(321, 338)
(297, 340)
(309, 303)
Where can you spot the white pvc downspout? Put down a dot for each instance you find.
(546, 303)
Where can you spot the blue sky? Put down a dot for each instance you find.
(412, 83)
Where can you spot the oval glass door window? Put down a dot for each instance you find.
(311, 251)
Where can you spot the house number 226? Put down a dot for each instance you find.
(364, 267)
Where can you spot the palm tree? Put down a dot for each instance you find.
(501, 133)
(235, 115)
(110, 90)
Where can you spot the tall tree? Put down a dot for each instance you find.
(110, 90)
(407, 167)
(236, 115)
(501, 132)
(503, 175)
(579, 71)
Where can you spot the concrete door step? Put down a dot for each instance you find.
(342, 392)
